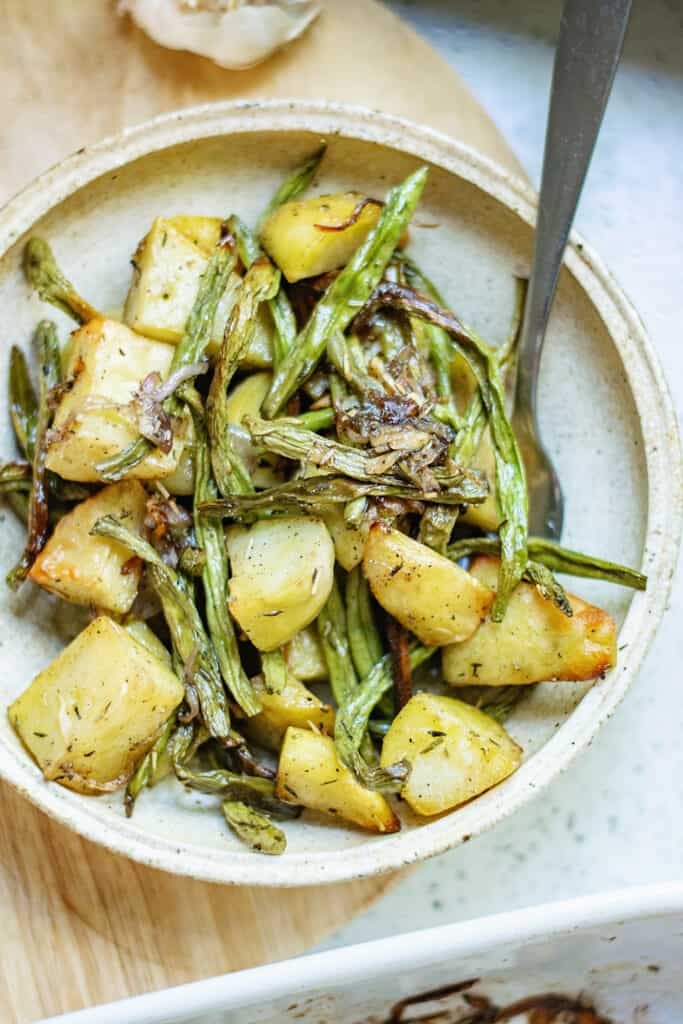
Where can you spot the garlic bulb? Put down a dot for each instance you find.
(233, 33)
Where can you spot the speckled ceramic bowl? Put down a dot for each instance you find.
(605, 413)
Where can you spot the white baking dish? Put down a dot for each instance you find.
(623, 950)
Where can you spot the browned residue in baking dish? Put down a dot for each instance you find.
(545, 1008)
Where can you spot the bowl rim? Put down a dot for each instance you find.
(662, 454)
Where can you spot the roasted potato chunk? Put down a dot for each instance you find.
(485, 515)
(307, 237)
(349, 543)
(246, 399)
(534, 642)
(97, 709)
(295, 705)
(94, 570)
(141, 632)
(305, 658)
(181, 481)
(428, 594)
(167, 266)
(463, 381)
(311, 774)
(455, 752)
(204, 232)
(108, 363)
(282, 575)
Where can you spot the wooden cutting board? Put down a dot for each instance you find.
(81, 926)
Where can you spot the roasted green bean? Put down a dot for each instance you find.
(148, 770)
(310, 494)
(364, 639)
(280, 307)
(23, 404)
(16, 477)
(254, 828)
(274, 670)
(557, 558)
(215, 581)
(230, 473)
(497, 701)
(43, 274)
(38, 511)
(347, 293)
(189, 352)
(345, 358)
(295, 183)
(184, 623)
(510, 475)
(549, 587)
(354, 712)
(293, 442)
(314, 419)
(249, 789)
(334, 637)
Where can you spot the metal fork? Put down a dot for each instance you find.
(588, 51)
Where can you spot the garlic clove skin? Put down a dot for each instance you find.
(232, 36)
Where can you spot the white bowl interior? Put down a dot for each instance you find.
(472, 245)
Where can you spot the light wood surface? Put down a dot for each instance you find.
(72, 72)
(81, 926)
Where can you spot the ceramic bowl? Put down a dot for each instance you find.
(620, 951)
(605, 414)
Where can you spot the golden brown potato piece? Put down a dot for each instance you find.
(204, 232)
(282, 575)
(94, 570)
(349, 544)
(455, 751)
(168, 265)
(534, 642)
(463, 381)
(485, 515)
(141, 632)
(97, 709)
(428, 594)
(305, 658)
(246, 399)
(307, 237)
(311, 774)
(295, 705)
(108, 363)
(181, 480)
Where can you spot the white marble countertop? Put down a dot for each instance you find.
(616, 817)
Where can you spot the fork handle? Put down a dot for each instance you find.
(589, 46)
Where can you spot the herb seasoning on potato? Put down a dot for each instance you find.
(282, 483)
